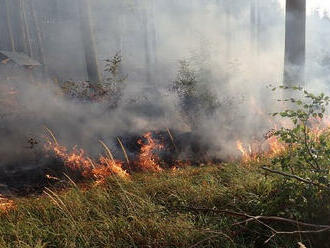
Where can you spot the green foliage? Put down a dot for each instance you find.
(194, 93)
(308, 142)
(109, 91)
(114, 84)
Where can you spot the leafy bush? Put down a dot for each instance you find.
(109, 91)
(307, 137)
(194, 94)
(114, 83)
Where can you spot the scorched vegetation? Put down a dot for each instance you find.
(280, 198)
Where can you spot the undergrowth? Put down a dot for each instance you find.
(206, 206)
(170, 209)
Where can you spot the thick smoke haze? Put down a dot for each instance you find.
(235, 47)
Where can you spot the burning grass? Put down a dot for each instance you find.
(6, 204)
(77, 160)
(105, 166)
(255, 150)
(181, 207)
(147, 161)
(162, 209)
(272, 145)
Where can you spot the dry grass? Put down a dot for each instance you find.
(149, 211)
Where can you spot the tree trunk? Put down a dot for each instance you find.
(23, 46)
(295, 42)
(39, 34)
(228, 35)
(10, 28)
(148, 20)
(255, 26)
(253, 22)
(88, 41)
(26, 29)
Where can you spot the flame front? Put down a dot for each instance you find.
(273, 146)
(245, 154)
(147, 160)
(78, 160)
(102, 168)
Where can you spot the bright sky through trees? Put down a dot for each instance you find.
(322, 5)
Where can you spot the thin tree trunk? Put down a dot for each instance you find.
(295, 42)
(258, 28)
(88, 41)
(229, 35)
(10, 29)
(39, 34)
(255, 26)
(26, 29)
(147, 46)
(148, 23)
(253, 22)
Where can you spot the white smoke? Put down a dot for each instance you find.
(238, 57)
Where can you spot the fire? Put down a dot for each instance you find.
(273, 146)
(105, 166)
(6, 204)
(147, 160)
(319, 127)
(75, 160)
(78, 160)
(240, 147)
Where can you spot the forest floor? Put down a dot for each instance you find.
(191, 207)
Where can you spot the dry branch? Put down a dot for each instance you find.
(261, 220)
(295, 177)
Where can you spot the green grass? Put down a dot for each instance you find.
(155, 210)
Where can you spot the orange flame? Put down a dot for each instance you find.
(79, 161)
(108, 167)
(6, 204)
(245, 153)
(147, 160)
(276, 147)
(273, 146)
(270, 148)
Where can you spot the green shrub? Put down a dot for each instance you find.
(307, 137)
(195, 96)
